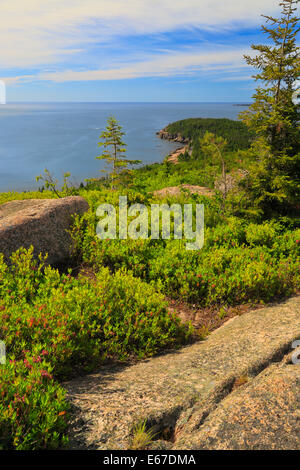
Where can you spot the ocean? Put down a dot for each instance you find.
(64, 136)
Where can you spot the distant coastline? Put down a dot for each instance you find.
(63, 137)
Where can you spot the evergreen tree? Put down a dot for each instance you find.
(273, 115)
(272, 183)
(196, 151)
(114, 150)
(214, 146)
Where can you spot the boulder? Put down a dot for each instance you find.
(42, 223)
(237, 389)
(262, 414)
(174, 191)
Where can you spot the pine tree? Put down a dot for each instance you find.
(214, 146)
(114, 150)
(273, 115)
(272, 183)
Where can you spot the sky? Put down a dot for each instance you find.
(129, 50)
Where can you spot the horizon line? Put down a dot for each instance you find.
(142, 102)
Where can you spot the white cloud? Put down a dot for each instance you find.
(174, 63)
(18, 79)
(43, 32)
(234, 78)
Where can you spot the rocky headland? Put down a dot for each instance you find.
(164, 134)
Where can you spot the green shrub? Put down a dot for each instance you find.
(229, 275)
(238, 263)
(54, 325)
(261, 235)
(33, 407)
(14, 196)
(287, 244)
(81, 320)
(231, 233)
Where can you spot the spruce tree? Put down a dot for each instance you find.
(214, 146)
(114, 150)
(273, 184)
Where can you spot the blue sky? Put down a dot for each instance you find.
(129, 50)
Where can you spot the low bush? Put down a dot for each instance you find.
(14, 196)
(54, 324)
(261, 235)
(225, 275)
(33, 407)
(238, 263)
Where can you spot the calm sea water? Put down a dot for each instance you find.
(63, 136)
